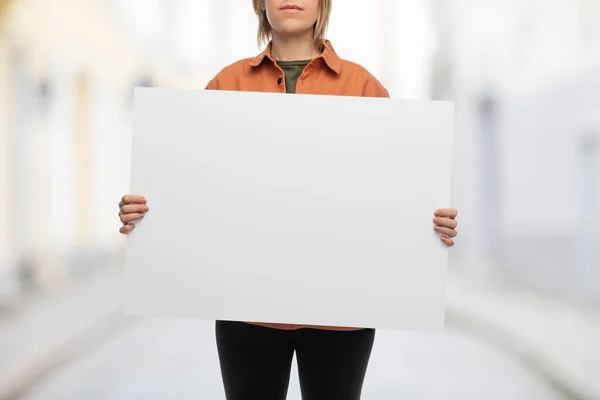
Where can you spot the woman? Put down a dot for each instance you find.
(256, 358)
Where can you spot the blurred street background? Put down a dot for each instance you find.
(523, 318)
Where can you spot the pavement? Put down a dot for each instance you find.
(77, 343)
(177, 359)
(53, 328)
(557, 338)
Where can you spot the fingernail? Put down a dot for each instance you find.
(143, 199)
(437, 213)
(146, 208)
(436, 228)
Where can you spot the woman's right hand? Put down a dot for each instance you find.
(131, 208)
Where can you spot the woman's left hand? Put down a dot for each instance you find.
(445, 223)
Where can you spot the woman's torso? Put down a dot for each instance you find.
(325, 75)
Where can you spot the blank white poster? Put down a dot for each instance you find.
(289, 208)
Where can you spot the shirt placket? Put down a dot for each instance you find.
(302, 85)
(280, 80)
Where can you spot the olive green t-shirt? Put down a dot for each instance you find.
(292, 71)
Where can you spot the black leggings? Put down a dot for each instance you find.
(256, 361)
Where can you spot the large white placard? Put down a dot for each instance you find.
(289, 208)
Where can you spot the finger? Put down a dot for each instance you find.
(446, 231)
(125, 229)
(127, 218)
(447, 212)
(445, 222)
(132, 199)
(133, 208)
(449, 242)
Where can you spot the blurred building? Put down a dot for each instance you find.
(66, 78)
(526, 77)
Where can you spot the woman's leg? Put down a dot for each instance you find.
(332, 364)
(255, 361)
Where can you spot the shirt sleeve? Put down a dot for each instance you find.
(213, 84)
(383, 93)
(374, 88)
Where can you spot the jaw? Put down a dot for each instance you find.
(294, 28)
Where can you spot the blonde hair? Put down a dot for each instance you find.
(320, 28)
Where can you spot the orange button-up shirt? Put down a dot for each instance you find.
(327, 74)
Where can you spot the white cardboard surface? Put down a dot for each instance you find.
(289, 208)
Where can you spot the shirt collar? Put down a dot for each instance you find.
(329, 56)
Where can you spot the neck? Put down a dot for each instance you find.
(293, 48)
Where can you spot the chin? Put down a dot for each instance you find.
(294, 28)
